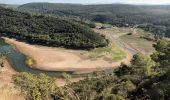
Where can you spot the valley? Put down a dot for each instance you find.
(81, 61)
(54, 51)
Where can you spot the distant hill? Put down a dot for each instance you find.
(148, 17)
(8, 6)
(50, 31)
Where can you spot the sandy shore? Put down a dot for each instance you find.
(58, 59)
(7, 72)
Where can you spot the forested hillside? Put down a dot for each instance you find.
(50, 31)
(151, 18)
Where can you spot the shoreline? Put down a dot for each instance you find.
(65, 60)
(60, 81)
(7, 72)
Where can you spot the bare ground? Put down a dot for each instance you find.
(6, 74)
(7, 90)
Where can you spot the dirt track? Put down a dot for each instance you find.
(114, 38)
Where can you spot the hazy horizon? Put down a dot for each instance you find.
(136, 2)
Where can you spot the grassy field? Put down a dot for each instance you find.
(131, 36)
(110, 53)
(115, 30)
(137, 42)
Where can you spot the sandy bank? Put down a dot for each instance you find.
(58, 59)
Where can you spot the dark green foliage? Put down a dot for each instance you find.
(80, 20)
(157, 86)
(143, 62)
(129, 33)
(65, 93)
(2, 42)
(124, 70)
(153, 88)
(162, 54)
(150, 18)
(48, 31)
(2, 60)
(101, 88)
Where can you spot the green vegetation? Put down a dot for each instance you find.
(142, 61)
(162, 54)
(139, 41)
(2, 42)
(150, 18)
(2, 59)
(112, 52)
(147, 78)
(29, 61)
(50, 31)
(143, 79)
(128, 82)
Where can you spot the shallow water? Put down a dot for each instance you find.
(17, 61)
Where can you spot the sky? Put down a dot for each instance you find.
(89, 1)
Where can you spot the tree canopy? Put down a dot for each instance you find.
(150, 18)
(50, 31)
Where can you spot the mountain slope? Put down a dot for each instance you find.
(115, 14)
(48, 31)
